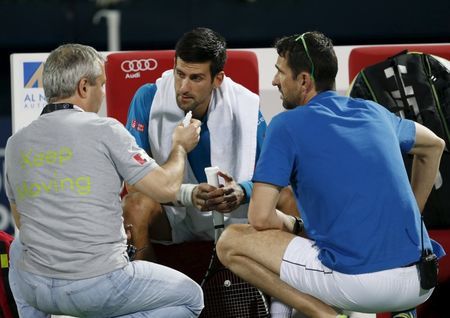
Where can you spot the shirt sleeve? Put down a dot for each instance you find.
(277, 156)
(131, 161)
(406, 132)
(138, 115)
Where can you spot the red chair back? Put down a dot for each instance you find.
(362, 57)
(125, 73)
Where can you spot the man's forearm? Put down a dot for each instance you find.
(423, 175)
(163, 183)
(262, 213)
(174, 169)
(427, 153)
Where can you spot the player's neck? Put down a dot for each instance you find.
(201, 110)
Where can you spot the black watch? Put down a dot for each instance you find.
(298, 226)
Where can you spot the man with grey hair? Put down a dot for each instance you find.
(63, 178)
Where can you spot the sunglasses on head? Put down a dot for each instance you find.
(302, 38)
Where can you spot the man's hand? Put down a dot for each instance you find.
(223, 199)
(200, 195)
(188, 136)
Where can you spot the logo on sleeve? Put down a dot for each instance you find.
(141, 157)
(137, 125)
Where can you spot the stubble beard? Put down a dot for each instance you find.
(288, 104)
(186, 107)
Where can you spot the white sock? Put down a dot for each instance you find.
(279, 310)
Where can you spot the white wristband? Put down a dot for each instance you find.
(184, 195)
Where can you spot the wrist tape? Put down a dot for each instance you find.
(184, 195)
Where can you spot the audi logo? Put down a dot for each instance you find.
(139, 65)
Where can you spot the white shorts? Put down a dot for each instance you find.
(389, 290)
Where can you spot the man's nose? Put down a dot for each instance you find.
(185, 85)
(275, 81)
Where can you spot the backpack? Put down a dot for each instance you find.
(8, 307)
(415, 86)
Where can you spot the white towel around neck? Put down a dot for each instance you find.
(232, 123)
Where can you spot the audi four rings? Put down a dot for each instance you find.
(139, 65)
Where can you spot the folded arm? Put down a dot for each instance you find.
(262, 213)
(427, 152)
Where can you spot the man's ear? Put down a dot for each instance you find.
(218, 79)
(304, 80)
(83, 88)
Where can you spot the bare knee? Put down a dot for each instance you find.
(139, 208)
(228, 244)
(140, 212)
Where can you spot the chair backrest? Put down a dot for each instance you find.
(127, 71)
(362, 57)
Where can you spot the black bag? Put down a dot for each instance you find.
(416, 86)
(428, 270)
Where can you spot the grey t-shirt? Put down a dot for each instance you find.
(64, 172)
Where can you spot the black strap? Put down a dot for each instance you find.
(398, 79)
(53, 107)
(424, 251)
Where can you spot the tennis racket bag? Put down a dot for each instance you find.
(415, 86)
(8, 307)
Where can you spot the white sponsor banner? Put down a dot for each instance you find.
(27, 94)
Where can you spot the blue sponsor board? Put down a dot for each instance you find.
(32, 74)
(6, 222)
(33, 96)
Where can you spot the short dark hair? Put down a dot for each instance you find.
(321, 57)
(203, 45)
